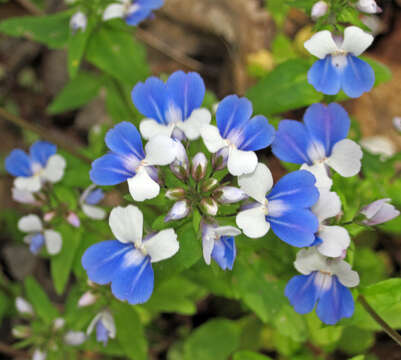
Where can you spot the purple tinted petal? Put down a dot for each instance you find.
(102, 334)
(94, 197)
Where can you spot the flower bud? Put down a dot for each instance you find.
(74, 338)
(379, 212)
(179, 210)
(21, 331)
(58, 323)
(397, 123)
(23, 306)
(39, 355)
(180, 166)
(199, 166)
(49, 216)
(23, 196)
(73, 219)
(209, 206)
(209, 185)
(219, 159)
(229, 195)
(87, 299)
(175, 194)
(368, 6)
(319, 9)
(78, 21)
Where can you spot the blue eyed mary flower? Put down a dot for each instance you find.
(133, 11)
(379, 212)
(38, 236)
(104, 325)
(238, 132)
(285, 207)
(88, 200)
(126, 263)
(218, 244)
(127, 161)
(319, 142)
(174, 106)
(338, 66)
(325, 282)
(331, 240)
(40, 166)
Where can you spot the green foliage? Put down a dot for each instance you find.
(249, 355)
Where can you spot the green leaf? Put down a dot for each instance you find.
(51, 30)
(130, 332)
(285, 88)
(382, 72)
(355, 340)
(39, 300)
(78, 92)
(118, 104)
(249, 355)
(118, 54)
(384, 294)
(291, 324)
(217, 339)
(61, 264)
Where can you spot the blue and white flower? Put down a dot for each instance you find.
(218, 243)
(88, 200)
(320, 141)
(78, 21)
(285, 207)
(133, 11)
(40, 166)
(325, 282)
(238, 132)
(338, 66)
(38, 236)
(331, 240)
(128, 162)
(126, 263)
(171, 107)
(104, 325)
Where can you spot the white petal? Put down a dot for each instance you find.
(309, 260)
(74, 338)
(142, 186)
(328, 205)
(113, 11)
(31, 184)
(346, 158)
(335, 240)
(347, 277)
(39, 355)
(53, 241)
(380, 145)
(227, 231)
(241, 162)
(212, 138)
(150, 128)
(22, 196)
(108, 322)
(192, 126)
(162, 246)
(23, 306)
(253, 222)
(126, 224)
(257, 184)
(93, 323)
(321, 44)
(54, 169)
(94, 212)
(30, 223)
(356, 41)
(319, 171)
(208, 238)
(160, 150)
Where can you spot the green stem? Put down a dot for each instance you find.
(44, 134)
(376, 317)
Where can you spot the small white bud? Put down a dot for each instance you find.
(209, 206)
(179, 210)
(175, 194)
(23, 306)
(58, 323)
(368, 6)
(397, 123)
(199, 166)
(75, 338)
(229, 195)
(78, 21)
(39, 355)
(379, 212)
(319, 9)
(87, 299)
(73, 219)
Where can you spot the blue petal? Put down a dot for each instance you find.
(103, 259)
(125, 139)
(302, 293)
(36, 244)
(134, 282)
(110, 169)
(138, 16)
(150, 4)
(187, 91)
(296, 227)
(102, 334)
(335, 303)
(317, 241)
(224, 252)
(232, 113)
(325, 77)
(150, 98)
(291, 142)
(94, 197)
(358, 77)
(256, 134)
(18, 163)
(297, 189)
(40, 152)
